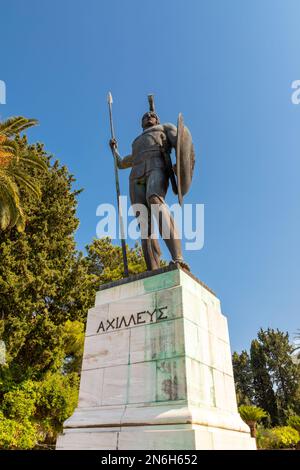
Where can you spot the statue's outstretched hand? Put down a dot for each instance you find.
(113, 144)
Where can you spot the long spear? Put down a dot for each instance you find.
(113, 149)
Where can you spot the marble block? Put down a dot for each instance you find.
(156, 370)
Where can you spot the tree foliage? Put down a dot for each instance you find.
(269, 377)
(43, 280)
(264, 393)
(294, 422)
(252, 415)
(279, 437)
(106, 260)
(46, 289)
(243, 378)
(16, 164)
(16, 435)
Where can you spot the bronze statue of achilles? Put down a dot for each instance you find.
(152, 169)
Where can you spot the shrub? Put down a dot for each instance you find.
(277, 438)
(294, 422)
(287, 436)
(58, 396)
(266, 439)
(15, 435)
(33, 412)
(19, 403)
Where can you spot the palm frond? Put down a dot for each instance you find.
(24, 181)
(10, 207)
(15, 125)
(34, 161)
(16, 160)
(9, 146)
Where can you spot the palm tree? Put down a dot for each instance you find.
(14, 176)
(251, 415)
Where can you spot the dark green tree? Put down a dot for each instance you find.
(283, 372)
(270, 377)
(43, 280)
(264, 395)
(243, 378)
(46, 289)
(106, 261)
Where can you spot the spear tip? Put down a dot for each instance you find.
(109, 98)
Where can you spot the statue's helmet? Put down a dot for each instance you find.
(151, 113)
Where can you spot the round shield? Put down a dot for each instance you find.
(185, 158)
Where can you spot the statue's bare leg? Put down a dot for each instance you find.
(157, 186)
(166, 226)
(150, 246)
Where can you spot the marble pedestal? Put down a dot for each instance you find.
(156, 370)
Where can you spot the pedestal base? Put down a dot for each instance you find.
(176, 437)
(156, 371)
(169, 436)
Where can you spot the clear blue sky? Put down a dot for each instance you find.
(228, 67)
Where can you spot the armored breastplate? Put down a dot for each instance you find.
(146, 151)
(149, 141)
